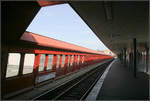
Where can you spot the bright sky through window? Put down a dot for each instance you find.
(61, 22)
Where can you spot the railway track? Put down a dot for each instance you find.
(77, 89)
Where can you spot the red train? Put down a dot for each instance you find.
(29, 67)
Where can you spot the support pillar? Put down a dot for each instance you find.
(147, 59)
(85, 60)
(80, 61)
(21, 64)
(4, 60)
(36, 66)
(124, 55)
(70, 60)
(54, 62)
(77, 62)
(130, 59)
(134, 58)
(74, 63)
(46, 60)
(66, 64)
(60, 61)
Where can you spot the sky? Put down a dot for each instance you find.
(61, 22)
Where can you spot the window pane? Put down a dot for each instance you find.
(72, 57)
(50, 62)
(13, 64)
(68, 60)
(63, 61)
(28, 63)
(83, 59)
(78, 59)
(42, 62)
(57, 65)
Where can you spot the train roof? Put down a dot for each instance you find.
(50, 42)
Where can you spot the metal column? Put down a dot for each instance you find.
(21, 64)
(134, 58)
(46, 60)
(4, 61)
(66, 64)
(147, 59)
(55, 57)
(36, 66)
(124, 56)
(60, 61)
(121, 57)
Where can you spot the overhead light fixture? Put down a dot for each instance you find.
(115, 36)
(108, 10)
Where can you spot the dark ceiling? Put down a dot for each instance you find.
(16, 16)
(115, 23)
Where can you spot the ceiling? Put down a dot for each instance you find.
(16, 16)
(126, 20)
(116, 23)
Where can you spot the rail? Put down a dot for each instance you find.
(77, 88)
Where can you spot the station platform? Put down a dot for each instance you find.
(120, 84)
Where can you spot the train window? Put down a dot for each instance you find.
(42, 62)
(57, 65)
(68, 60)
(72, 57)
(78, 59)
(49, 62)
(28, 63)
(13, 64)
(63, 61)
(82, 59)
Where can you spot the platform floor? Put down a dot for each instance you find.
(120, 84)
